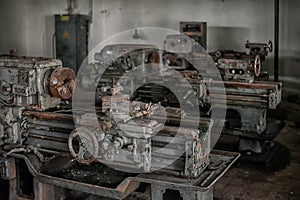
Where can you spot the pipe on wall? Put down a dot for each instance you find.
(276, 43)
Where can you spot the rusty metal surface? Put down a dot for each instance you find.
(221, 162)
(30, 62)
(122, 190)
(186, 162)
(7, 168)
(52, 116)
(50, 131)
(127, 142)
(241, 66)
(62, 83)
(22, 82)
(88, 142)
(43, 191)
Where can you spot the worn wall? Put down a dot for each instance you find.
(28, 25)
(290, 45)
(14, 32)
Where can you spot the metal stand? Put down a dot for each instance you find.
(160, 192)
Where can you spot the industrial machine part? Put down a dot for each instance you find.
(260, 49)
(50, 148)
(195, 30)
(240, 70)
(146, 139)
(29, 83)
(109, 58)
(34, 82)
(242, 66)
(247, 99)
(71, 39)
(80, 181)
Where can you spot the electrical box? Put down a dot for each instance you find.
(71, 39)
(195, 30)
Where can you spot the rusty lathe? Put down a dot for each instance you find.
(249, 94)
(123, 146)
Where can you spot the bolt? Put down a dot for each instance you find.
(105, 145)
(54, 81)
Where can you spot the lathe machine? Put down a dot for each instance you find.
(112, 139)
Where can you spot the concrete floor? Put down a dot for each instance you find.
(280, 180)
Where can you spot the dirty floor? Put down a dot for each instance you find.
(281, 179)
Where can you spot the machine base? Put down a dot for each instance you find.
(161, 182)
